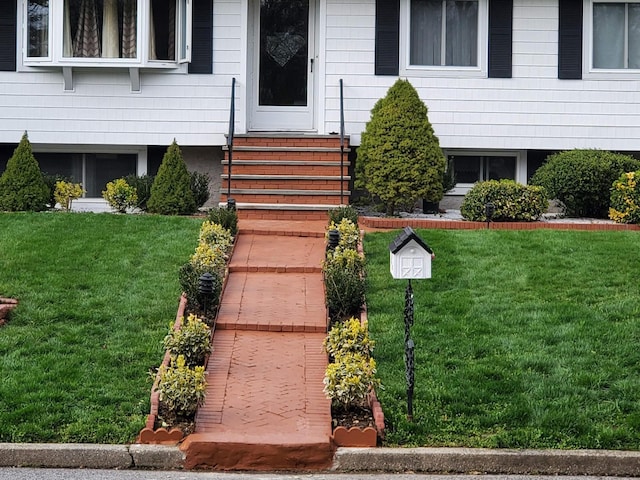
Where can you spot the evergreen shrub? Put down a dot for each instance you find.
(582, 179)
(399, 158)
(142, 185)
(171, 190)
(513, 202)
(189, 277)
(344, 281)
(199, 183)
(337, 214)
(22, 186)
(225, 217)
(625, 199)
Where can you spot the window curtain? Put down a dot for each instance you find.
(634, 35)
(426, 32)
(110, 40)
(608, 35)
(462, 34)
(87, 39)
(129, 28)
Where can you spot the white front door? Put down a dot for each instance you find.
(282, 65)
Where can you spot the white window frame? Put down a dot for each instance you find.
(55, 56)
(406, 69)
(519, 155)
(589, 72)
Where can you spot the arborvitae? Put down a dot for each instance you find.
(399, 159)
(22, 186)
(171, 190)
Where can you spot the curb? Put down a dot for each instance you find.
(488, 461)
(71, 455)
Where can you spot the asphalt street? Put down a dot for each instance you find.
(89, 474)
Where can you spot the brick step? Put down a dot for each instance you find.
(259, 167)
(283, 215)
(271, 140)
(287, 154)
(285, 184)
(300, 197)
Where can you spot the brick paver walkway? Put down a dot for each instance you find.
(265, 409)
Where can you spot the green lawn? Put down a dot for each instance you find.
(524, 339)
(97, 293)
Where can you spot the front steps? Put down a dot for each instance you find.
(286, 176)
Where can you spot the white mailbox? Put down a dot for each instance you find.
(410, 257)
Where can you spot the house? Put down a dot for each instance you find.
(104, 86)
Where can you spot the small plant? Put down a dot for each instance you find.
(192, 340)
(344, 281)
(349, 380)
(625, 199)
(582, 179)
(120, 195)
(189, 277)
(337, 214)
(225, 217)
(182, 389)
(50, 181)
(512, 201)
(142, 184)
(215, 234)
(349, 233)
(349, 336)
(209, 258)
(22, 187)
(66, 192)
(171, 190)
(200, 188)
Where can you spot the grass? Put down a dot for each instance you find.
(97, 293)
(523, 340)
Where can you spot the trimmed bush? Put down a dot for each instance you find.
(399, 158)
(199, 183)
(215, 234)
(120, 195)
(349, 380)
(582, 179)
(142, 185)
(182, 389)
(625, 199)
(225, 217)
(66, 192)
(189, 277)
(22, 186)
(344, 281)
(349, 233)
(50, 181)
(192, 340)
(513, 202)
(337, 214)
(349, 336)
(171, 190)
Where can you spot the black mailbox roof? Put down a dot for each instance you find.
(405, 237)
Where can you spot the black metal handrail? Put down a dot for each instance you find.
(231, 203)
(341, 145)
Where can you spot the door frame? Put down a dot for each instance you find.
(285, 118)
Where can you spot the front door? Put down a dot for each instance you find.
(282, 65)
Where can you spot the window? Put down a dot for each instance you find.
(108, 32)
(444, 33)
(616, 35)
(469, 169)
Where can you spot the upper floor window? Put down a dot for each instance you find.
(108, 32)
(616, 35)
(444, 33)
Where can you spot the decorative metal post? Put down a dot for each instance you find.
(409, 346)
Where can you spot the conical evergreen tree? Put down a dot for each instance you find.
(399, 158)
(22, 186)
(171, 190)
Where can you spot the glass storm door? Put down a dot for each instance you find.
(283, 65)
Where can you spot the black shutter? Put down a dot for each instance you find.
(500, 38)
(387, 37)
(8, 36)
(202, 39)
(570, 40)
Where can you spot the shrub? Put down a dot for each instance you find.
(337, 214)
(344, 281)
(225, 217)
(349, 336)
(192, 340)
(66, 192)
(182, 389)
(349, 233)
(142, 185)
(512, 201)
(349, 379)
(120, 195)
(582, 179)
(189, 277)
(22, 186)
(399, 158)
(625, 199)
(215, 234)
(171, 190)
(209, 258)
(199, 183)
(50, 181)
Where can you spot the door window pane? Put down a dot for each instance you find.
(38, 28)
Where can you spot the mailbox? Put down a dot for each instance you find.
(410, 256)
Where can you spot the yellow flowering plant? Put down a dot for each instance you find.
(625, 199)
(66, 192)
(214, 234)
(120, 195)
(349, 233)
